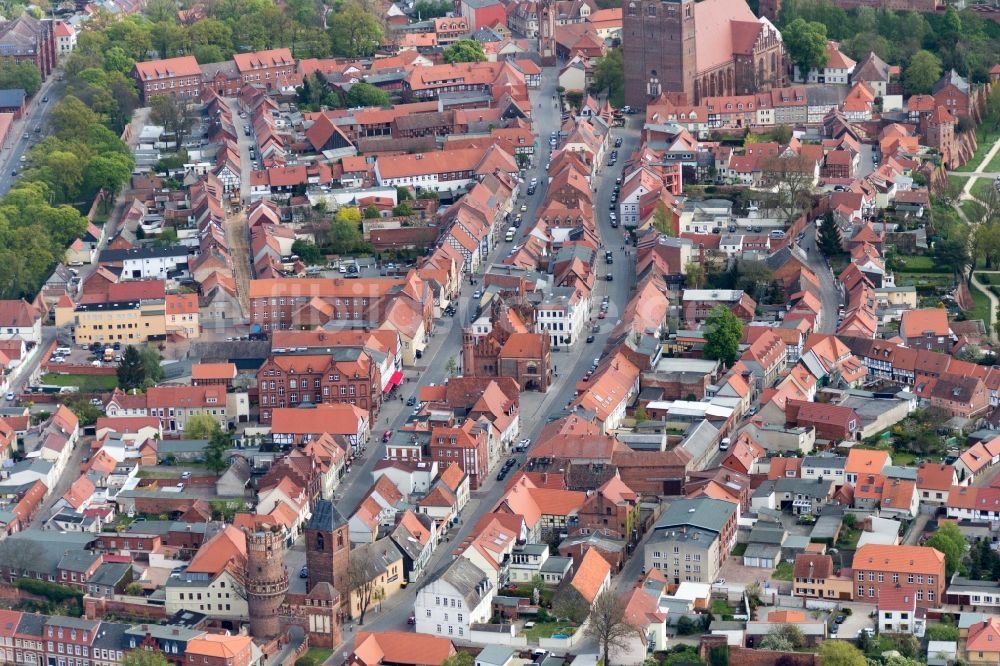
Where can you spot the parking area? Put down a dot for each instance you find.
(738, 576)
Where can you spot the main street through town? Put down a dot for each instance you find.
(535, 408)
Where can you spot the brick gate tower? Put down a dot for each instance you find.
(267, 581)
(328, 548)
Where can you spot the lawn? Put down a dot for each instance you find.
(981, 188)
(944, 280)
(970, 208)
(958, 182)
(318, 655)
(903, 458)
(919, 264)
(985, 141)
(87, 383)
(982, 306)
(721, 609)
(547, 629)
(848, 539)
(740, 549)
(994, 164)
(783, 571)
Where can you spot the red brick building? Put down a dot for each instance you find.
(176, 77)
(612, 510)
(273, 69)
(27, 39)
(343, 374)
(832, 422)
(467, 445)
(877, 567)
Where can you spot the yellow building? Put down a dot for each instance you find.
(182, 315)
(385, 570)
(119, 321)
(898, 296)
(813, 576)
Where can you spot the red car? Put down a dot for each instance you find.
(386, 435)
(601, 315)
(587, 376)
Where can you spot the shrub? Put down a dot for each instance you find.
(51, 591)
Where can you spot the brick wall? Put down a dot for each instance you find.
(96, 608)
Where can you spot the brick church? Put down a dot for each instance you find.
(703, 49)
(509, 349)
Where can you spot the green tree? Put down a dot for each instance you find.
(806, 44)
(694, 275)
(151, 364)
(459, 658)
(950, 28)
(70, 118)
(200, 426)
(723, 332)
(609, 76)
(464, 50)
(451, 367)
(829, 237)
(428, 9)
(215, 451)
(787, 635)
(753, 277)
(403, 193)
(23, 75)
(948, 539)
(952, 254)
(923, 70)
(608, 624)
(371, 213)
(144, 658)
(365, 94)
(662, 220)
(345, 232)
(172, 113)
(63, 171)
(131, 371)
(775, 641)
(85, 412)
(115, 59)
(208, 53)
(570, 605)
(307, 252)
(640, 414)
(403, 210)
(109, 173)
(841, 653)
(354, 32)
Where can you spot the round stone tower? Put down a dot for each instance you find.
(266, 583)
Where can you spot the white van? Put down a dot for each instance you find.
(724, 445)
(63, 351)
(510, 234)
(777, 233)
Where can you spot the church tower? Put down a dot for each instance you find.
(468, 353)
(547, 32)
(266, 581)
(658, 38)
(328, 548)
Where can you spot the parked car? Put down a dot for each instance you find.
(412, 400)
(523, 445)
(386, 435)
(590, 338)
(10, 396)
(304, 572)
(185, 475)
